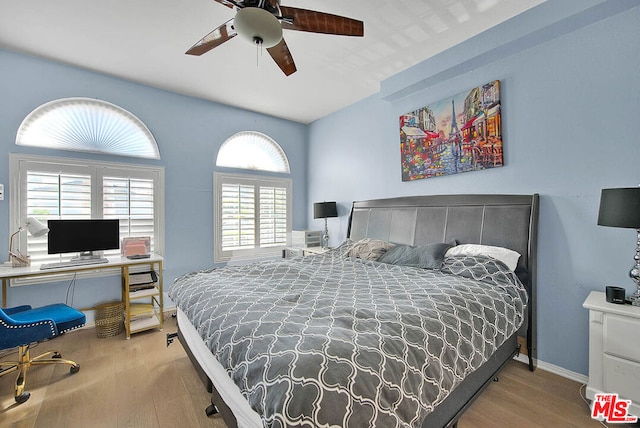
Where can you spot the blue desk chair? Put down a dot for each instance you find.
(21, 326)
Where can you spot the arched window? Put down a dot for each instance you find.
(63, 188)
(87, 125)
(252, 215)
(252, 150)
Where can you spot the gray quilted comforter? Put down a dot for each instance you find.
(329, 341)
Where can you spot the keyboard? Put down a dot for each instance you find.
(73, 263)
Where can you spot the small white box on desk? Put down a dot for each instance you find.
(306, 238)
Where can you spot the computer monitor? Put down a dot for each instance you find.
(83, 236)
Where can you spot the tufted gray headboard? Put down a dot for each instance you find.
(509, 221)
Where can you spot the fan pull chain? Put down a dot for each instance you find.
(258, 42)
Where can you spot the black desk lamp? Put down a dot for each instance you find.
(621, 208)
(325, 210)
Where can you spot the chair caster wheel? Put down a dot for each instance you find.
(23, 397)
(74, 369)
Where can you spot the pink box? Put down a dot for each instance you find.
(136, 246)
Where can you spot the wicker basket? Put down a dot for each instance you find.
(109, 318)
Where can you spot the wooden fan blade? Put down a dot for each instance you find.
(281, 55)
(319, 22)
(226, 3)
(214, 39)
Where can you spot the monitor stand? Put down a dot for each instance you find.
(86, 256)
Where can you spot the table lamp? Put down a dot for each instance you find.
(35, 228)
(621, 208)
(325, 210)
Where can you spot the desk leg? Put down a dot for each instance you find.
(160, 286)
(127, 302)
(4, 292)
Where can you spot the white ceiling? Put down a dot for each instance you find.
(145, 41)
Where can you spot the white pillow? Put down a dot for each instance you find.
(505, 255)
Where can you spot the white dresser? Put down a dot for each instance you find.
(614, 349)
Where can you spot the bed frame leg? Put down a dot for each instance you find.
(170, 337)
(211, 410)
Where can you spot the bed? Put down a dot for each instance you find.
(347, 339)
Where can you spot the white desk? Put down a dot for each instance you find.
(7, 273)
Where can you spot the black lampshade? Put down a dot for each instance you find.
(325, 210)
(620, 207)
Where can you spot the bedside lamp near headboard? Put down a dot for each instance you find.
(325, 210)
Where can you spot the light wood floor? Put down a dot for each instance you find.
(142, 383)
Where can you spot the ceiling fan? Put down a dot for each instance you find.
(262, 21)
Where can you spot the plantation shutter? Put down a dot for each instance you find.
(273, 216)
(55, 196)
(238, 216)
(253, 217)
(130, 201)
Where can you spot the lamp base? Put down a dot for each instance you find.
(634, 299)
(634, 274)
(20, 261)
(325, 235)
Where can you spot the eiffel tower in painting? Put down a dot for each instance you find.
(454, 124)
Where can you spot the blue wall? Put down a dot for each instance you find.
(570, 102)
(189, 133)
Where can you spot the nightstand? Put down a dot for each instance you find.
(614, 349)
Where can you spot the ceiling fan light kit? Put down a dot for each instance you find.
(258, 26)
(261, 23)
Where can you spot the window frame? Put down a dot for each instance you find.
(21, 164)
(220, 178)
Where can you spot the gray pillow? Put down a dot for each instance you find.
(428, 256)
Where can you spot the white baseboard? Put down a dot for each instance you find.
(169, 311)
(552, 368)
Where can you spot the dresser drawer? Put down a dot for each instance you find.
(622, 377)
(306, 238)
(622, 337)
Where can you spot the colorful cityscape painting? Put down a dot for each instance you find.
(459, 134)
